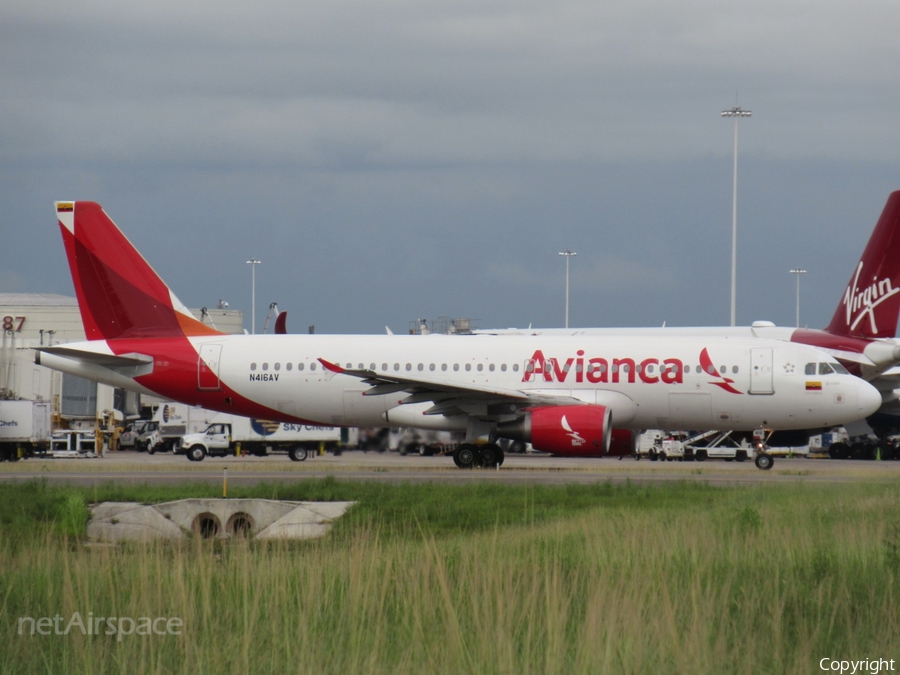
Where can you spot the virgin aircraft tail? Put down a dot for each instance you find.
(870, 305)
(119, 294)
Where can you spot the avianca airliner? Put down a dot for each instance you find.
(861, 334)
(581, 395)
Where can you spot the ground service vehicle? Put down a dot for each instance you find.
(232, 434)
(133, 431)
(24, 429)
(569, 395)
(173, 420)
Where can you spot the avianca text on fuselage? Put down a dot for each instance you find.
(598, 370)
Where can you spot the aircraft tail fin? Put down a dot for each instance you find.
(870, 305)
(119, 294)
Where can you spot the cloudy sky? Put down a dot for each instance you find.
(393, 160)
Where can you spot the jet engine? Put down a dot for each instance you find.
(572, 431)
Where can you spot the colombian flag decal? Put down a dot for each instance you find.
(813, 386)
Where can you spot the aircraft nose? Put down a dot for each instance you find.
(869, 399)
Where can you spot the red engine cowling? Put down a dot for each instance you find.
(624, 442)
(573, 431)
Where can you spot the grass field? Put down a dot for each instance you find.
(675, 578)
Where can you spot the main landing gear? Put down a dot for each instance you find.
(469, 455)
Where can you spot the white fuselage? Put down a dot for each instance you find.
(646, 381)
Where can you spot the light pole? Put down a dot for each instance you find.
(567, 254)
(797, 272)
(736, 112)
(253, 262)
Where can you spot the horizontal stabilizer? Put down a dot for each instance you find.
(96, 358)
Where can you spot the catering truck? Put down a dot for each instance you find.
(170, 422)
(234, 435)
(24, 429)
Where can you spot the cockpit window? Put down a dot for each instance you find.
(810, 369)
(839, 369)
(825, 369)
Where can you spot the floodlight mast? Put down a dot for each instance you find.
(567, 254)
(798, 272)
(736, 112)
(253, 262)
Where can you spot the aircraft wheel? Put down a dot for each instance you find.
(465, 456)
(196, 453)
(764, 462)
(297, 454)
(490, 455)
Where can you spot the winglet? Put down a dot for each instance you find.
(333, 367)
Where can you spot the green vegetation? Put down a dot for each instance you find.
(483, 578)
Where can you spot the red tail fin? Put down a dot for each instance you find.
(870, 305)
(119, 294)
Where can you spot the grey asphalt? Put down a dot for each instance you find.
(140, 468)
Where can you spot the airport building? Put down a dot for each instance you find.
(31, 320)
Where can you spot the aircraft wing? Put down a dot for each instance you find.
(450, 398)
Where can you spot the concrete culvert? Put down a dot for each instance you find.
(240, 525)
(207, 525)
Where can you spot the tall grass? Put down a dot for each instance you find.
(665, 580)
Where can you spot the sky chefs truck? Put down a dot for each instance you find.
(24, 429)
(231, 435)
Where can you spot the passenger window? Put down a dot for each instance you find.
(825, 369)
(312, 366)
(277, 366)
(455, 366)
(723, 369)
(265, 366)
(371, 366)
(491, 367)
(480, 367)
(384, 366)
(431, 367)
(300, 366)
(253, 366)
(421, 367)
(468, 367)
(408, 367)
(503, 367)
(810, 368)
(396, 366)
(288, 366)
(444, 366)
(650, 368)
(734, 370)
(515, 367)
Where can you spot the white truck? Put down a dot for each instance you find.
(24, 429)
(170, 422)
(233, 435)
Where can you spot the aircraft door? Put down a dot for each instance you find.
(761, 372)
(208, 367)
